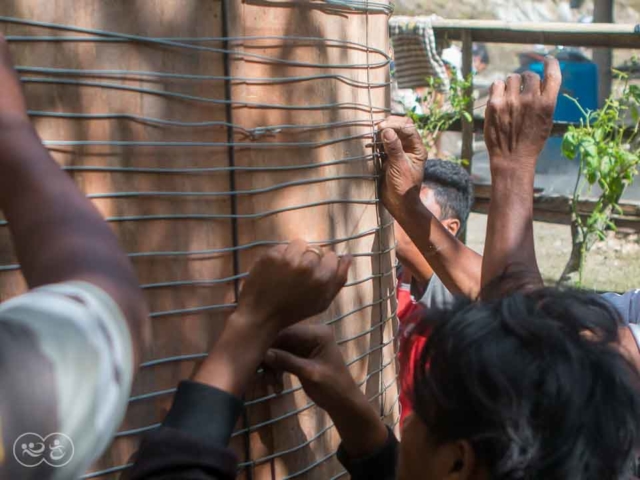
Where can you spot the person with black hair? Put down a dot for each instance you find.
(446, 192)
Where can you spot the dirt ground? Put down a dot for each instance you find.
(612, 265)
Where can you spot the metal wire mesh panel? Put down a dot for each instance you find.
(206, 131)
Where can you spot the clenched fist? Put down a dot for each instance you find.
(403, 168)
(290, 283)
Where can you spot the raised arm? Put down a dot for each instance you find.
(457, 265)
(518, 121)
(57, 233)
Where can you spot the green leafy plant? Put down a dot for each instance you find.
(440, 112)
(607, 145)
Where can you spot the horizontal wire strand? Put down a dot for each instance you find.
(253, 133)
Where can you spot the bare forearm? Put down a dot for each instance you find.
(413, 261)
(58, 235)
(509, 243)
(232, 363)
(361, 430)
(455, 264)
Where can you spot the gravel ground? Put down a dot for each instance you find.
(612, 265)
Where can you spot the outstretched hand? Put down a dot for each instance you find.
(403, 168)
(290, 283)
(519, 117)
(518, 121)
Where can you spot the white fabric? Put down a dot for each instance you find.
(84, 335)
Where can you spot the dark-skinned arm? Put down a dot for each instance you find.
(519, 118)
(369, 449)
(57, 233)
(286, 285)
(518, 121)
(455, 264)
(411, 258)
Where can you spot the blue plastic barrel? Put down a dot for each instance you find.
(580, 81)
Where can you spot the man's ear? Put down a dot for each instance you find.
(453, 225)
(462, 460)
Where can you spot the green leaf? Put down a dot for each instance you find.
(569, 146)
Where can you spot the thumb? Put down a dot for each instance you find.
(282, 360)
(392, 145)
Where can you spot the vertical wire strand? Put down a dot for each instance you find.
(235, 240)
(378, 168)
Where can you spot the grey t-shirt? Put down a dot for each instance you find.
(436, 295)
(628, 305)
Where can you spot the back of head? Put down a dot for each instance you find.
(533, 383)
(452, 187)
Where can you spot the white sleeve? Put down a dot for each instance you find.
(79, 335)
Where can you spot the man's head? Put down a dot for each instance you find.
(529, 386)
(447, 191)
(480, 57)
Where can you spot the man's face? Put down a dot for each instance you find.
(421, 458)
(428, 197)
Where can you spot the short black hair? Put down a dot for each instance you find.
(534, 383)
(452, 187)
(480, 50)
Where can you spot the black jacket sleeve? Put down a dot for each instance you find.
(192, 443)
(380, 465)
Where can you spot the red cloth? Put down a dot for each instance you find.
(410, 346)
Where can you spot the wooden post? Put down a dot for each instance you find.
(603, 13)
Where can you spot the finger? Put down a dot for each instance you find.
(552, 78)
(497, 90)
(273, 378)
(327, 269)
(397, 123)
(531, 83)
(287, 362)
(392, 145)
(302, 339)
(342, 273)
(312, 256)
(277, 251)
(514, 85)
(295, 250)
(278, 385)
(408, 134)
